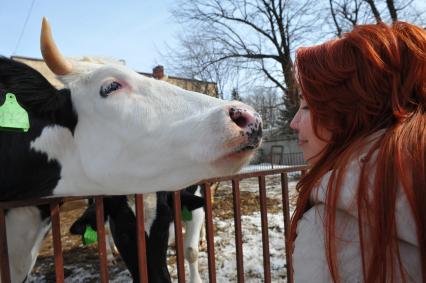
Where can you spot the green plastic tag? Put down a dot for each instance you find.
(186, 214)
(90, 236)
(12, 116)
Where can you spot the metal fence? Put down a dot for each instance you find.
(55, 203)
(277, 156)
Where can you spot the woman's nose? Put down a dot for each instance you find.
(295, 122)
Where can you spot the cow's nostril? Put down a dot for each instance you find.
(241, 122)
(238, 117)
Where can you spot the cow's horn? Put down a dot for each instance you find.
(53, 58)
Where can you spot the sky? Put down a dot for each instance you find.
(136, 31)
(133, 30)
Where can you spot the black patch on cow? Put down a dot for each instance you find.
(25, 173)
(157, 242)
(34, 93)
(192, 189)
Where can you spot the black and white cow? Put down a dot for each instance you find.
(119, 211)
(110, 131)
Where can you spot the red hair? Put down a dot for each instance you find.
(373, 78)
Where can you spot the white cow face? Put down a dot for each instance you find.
(136, 135)
(135, 132)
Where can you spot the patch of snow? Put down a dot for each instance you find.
(224, 243)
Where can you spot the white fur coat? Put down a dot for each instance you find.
(309, 257)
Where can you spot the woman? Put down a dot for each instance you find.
(361, 211)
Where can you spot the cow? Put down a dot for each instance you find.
(193, 232)
(110, 131)
(119, 211)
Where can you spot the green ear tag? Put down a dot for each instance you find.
(90, 236)
(186, 214)
(12, 116)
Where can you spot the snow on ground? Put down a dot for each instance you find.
(225, 253)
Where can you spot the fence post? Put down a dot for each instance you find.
(5, 267)
(57, 246)
(238, 229)
(286, 212)
(100, 228)
(265, 234)
(178, 237)
(210, 233)
(140, 230)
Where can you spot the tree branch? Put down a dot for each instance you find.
(376, 12)
(392, 10)
(336, 24)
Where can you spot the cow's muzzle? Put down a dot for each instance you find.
(250, 124)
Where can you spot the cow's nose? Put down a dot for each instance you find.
(248, 120)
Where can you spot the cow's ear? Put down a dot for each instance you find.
(191, 201)
(109, 87)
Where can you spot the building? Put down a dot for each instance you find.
(209, 88)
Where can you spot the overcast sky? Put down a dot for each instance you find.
(131, 30)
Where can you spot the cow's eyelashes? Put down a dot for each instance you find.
(108, 88)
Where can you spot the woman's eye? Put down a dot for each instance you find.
(304, 107)
(107, 89)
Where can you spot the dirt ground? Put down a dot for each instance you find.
(86, 257)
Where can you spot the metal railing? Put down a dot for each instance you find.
(293, 158)
(55, 203)
(277, 156)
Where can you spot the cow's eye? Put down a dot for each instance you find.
(108, 88)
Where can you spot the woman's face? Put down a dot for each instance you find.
(310, 144)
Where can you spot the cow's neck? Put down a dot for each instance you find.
(27, 173)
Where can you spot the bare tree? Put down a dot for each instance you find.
(267, 102)
(235, 95)
(192, 60)
(346, 14)
(255, 35)
(374, 10)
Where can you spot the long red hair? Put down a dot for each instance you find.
(373, 78)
